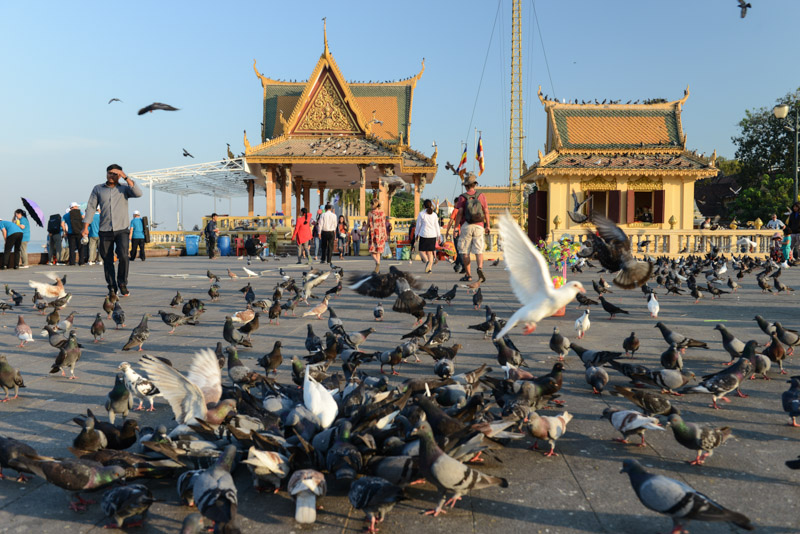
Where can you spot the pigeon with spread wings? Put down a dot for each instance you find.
(615, 255)
(530, 279)
(575, 214)
(156, 106)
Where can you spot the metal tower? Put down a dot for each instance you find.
(516, 132)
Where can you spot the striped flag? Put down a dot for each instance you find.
(479, 156)
(462, 165)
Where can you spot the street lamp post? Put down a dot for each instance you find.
(780, 112)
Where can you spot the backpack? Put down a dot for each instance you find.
(76, 221)
(473, 211)
(54, 224)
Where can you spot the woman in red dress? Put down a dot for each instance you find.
(376, 230)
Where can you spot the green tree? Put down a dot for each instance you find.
(763, 145)
(403, 205)
(772, 195)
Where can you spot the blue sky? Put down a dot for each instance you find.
(63, 61)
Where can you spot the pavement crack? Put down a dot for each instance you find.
(585, 497)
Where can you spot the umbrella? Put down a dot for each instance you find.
(34, 210)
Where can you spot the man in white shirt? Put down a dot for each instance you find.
(327, 233)
(775, 223)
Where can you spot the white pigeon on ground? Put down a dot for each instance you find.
(250, 274)
(652, 305)
(530, 279)
(629, 422)
(319, 401)
(139, 386)
(582, 324)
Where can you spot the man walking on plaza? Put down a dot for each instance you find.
(211, 231)
(72, 221)
(327, 231)
(54, 229)
(137, 235)
(112, 198)
(472, 216)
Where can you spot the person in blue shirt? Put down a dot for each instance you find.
(13, 237)
(21, 220)
(137, 235)
(94, 239)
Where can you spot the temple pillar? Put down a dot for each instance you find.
(417, 182)
(307, 196)
(321, 189)
(362, 190)
(251, 191)
(269, 187)
(298, 195)
(383, 195)
(286, 193)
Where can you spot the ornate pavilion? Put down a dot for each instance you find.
(327, 133)
(631, 159)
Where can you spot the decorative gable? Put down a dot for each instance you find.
(327, 111)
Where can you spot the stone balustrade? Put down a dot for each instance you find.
(676, 243)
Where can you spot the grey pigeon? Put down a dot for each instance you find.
(447, 473)
(77, 476)
(118, 400)
(68, 356)
(559, 344)
(678, 500)
(378, 312)
(9, 378)
(679, 340)
(652, 403)
(698, 438)
(597, 377)
(730, 343)
(173, 320)
(375, 496)
(630, 423)
(787, 337)
(124, 502)
(233, 337)
(16, 455)
(139, 334)
(791, 400)
(215, 493)
(118, 315)
(98, 328)
(720, 384)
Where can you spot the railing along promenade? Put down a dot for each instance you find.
(677, 243)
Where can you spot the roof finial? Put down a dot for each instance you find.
(325, 33)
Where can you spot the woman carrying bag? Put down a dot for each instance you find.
(429, 233)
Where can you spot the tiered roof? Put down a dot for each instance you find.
(618, 138)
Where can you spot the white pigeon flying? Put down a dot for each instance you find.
(582, 324)
(652, 305)
(530, 279)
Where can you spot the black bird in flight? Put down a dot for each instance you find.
(156, 105)
(744, 6)
(186, 154)
(114, 100)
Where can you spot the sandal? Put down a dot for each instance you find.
(465, 278)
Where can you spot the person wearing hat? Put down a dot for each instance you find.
(13, 237)
(472, 216)
(112, 198)
(137, 235)
(73, 219)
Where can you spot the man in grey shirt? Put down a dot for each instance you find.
(114, 228)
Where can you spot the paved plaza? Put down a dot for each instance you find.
(579, 491)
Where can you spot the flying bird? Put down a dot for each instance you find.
(186, 154)
(114, 100)
(743, 6)
(530, 279)
(156, 106)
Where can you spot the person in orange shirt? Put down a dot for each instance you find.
(302, 236)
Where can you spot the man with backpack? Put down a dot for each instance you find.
(54, 239)
(211, 231)
(472, 216)
(74, 220)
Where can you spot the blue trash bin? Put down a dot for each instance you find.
(192, 244)
(224, 245)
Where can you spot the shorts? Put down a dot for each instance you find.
(427, 244)
(471, 239)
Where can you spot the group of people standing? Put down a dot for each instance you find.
(315, 237)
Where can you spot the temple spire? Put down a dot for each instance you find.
(325, 33)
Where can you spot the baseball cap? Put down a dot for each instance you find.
(73, 205)
(136, 212)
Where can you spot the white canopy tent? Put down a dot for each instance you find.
(220, 179)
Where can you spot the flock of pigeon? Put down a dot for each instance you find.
(342, 422)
